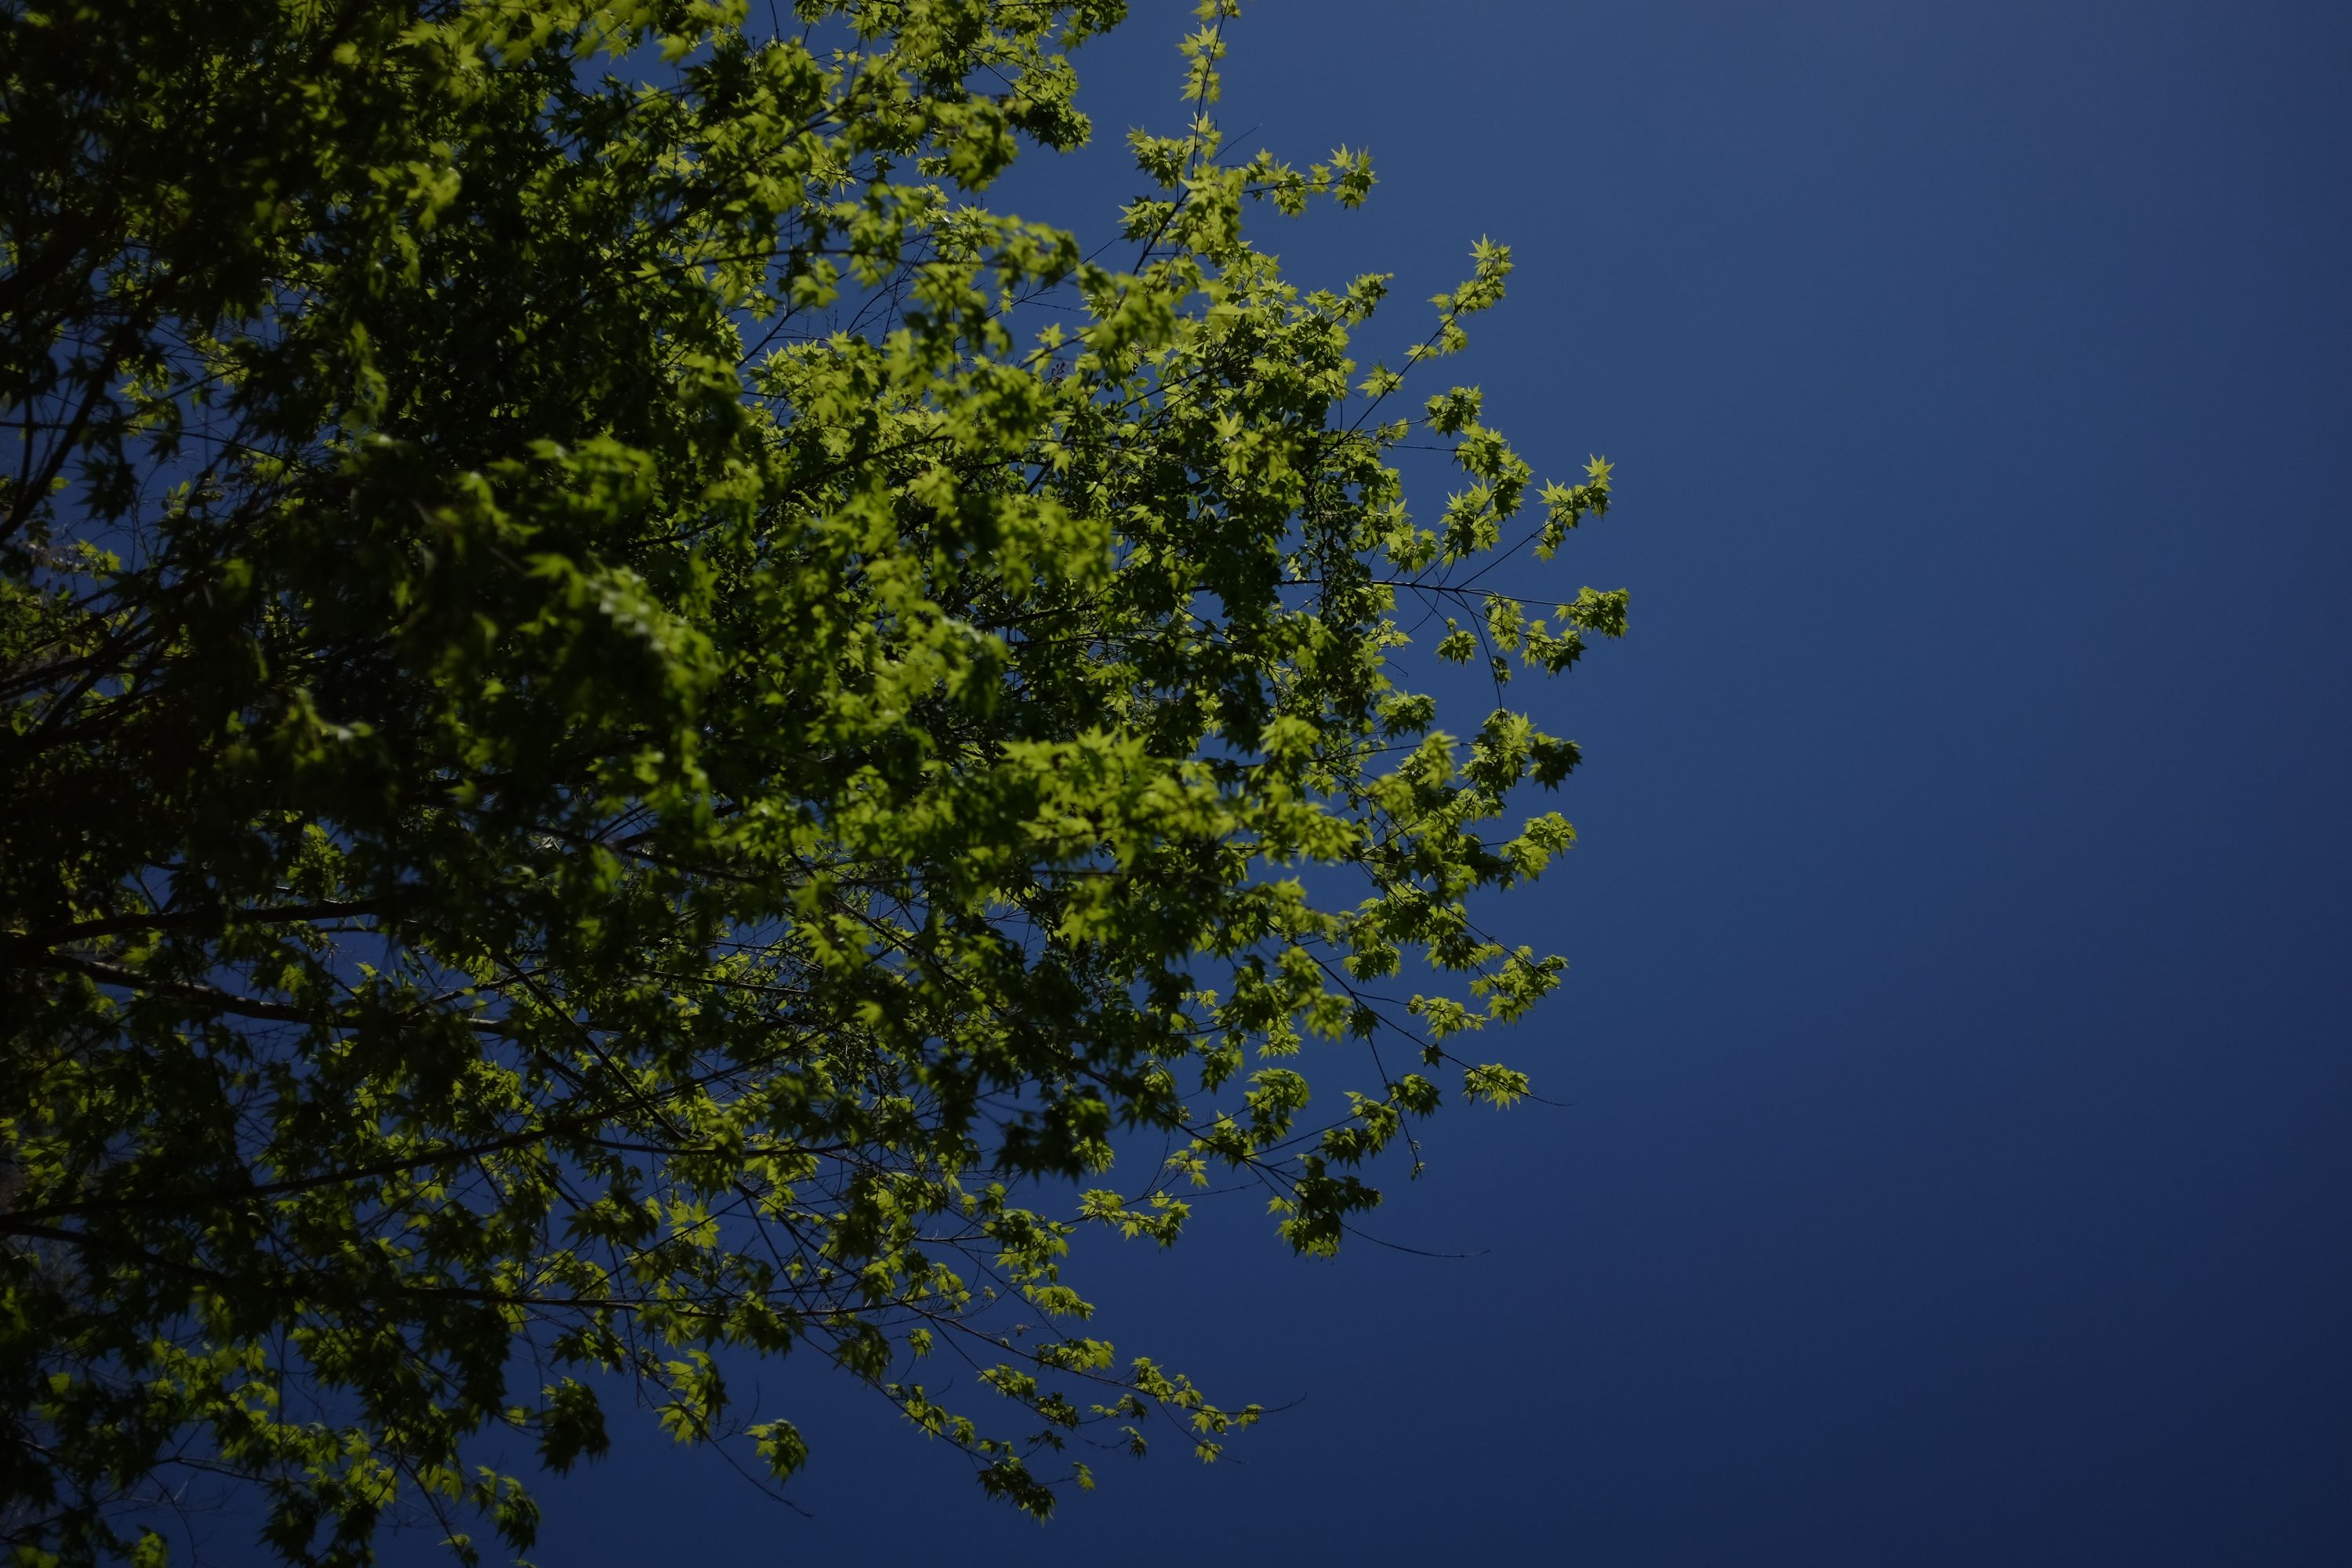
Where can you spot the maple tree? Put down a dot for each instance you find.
(612, 742)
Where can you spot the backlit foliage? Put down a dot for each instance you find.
(622, 752)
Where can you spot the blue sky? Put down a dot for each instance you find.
(1958, 1159)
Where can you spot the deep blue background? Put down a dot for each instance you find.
(1959, 1166)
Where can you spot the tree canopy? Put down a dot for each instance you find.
(639, 735)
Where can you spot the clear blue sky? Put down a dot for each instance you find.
(1959, 1161)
